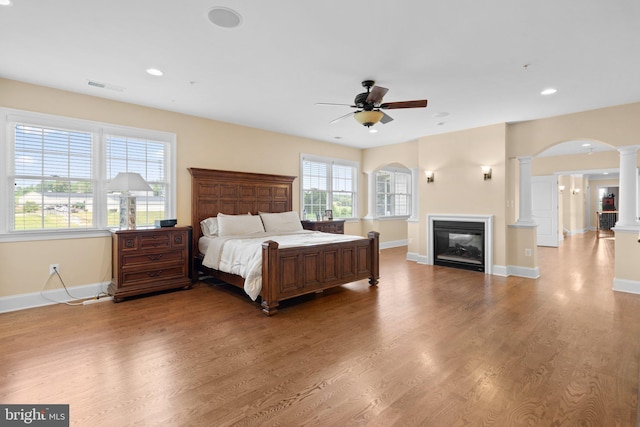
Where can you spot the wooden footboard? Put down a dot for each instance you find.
(291, 272)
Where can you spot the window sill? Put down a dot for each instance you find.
(388, 218)
(28, 236)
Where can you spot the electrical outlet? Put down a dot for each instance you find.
(53, 268)
(527, 252)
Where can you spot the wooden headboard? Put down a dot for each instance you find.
(233, 193)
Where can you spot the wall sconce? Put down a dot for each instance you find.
(575, 191)
(486, 171)
(561, 188)
(429, 175)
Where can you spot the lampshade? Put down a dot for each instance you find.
(128, 181)
(368, 118)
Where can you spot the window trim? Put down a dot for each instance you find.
(9, 117)
(373, 193)
(331, 161)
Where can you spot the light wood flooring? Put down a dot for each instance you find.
(430, 346)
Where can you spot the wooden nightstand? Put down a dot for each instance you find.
(335, 226)
(150, 259)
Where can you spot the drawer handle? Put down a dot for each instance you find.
(156, 274)
(154, 257)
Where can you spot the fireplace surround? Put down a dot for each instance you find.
(460, 241)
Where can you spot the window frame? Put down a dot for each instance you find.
(99, 130)
(411, 198)
(330, 161)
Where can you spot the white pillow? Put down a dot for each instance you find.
(282, 222)
(236, 225)
(209, 226)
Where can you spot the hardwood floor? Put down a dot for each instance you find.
(430, 346)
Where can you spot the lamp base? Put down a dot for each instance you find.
(127, 212)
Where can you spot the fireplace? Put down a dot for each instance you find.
(460, 241)
(459, 244)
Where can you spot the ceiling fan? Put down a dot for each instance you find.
(369, 104)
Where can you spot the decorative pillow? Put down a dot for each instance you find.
(236, 225)
(209, 226)
(282, 222)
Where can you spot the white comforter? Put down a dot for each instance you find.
(242, 255)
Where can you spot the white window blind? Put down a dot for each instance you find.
(328, 184)
(146, 157)
(58, 169)
(53, 178)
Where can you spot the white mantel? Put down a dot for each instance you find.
(488, 235)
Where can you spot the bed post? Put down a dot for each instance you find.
(374, 242)
(269, 291)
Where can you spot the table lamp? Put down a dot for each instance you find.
(125, 183)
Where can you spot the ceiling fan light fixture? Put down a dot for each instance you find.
(368, 118)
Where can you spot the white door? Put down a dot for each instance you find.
(544, 191)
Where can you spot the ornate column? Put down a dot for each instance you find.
(525, 211)
(627, 203)
(371, 199)
(415, 199)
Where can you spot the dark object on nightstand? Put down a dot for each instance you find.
(166, 222)
(335, 226)
(150, 260)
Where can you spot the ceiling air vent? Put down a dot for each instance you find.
(105, 86)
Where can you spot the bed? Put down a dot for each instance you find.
(287, 272)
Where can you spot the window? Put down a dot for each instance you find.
(59, 169)
(329, 184)
(393, 192)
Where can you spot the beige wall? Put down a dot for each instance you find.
(201, 143)
(617, 126)
(459, 188)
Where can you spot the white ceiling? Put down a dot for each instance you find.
(467, 57)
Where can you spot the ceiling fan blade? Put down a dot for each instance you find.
(385, 118)
(330, 104)
(404, 104)
(376, 94)
(341, 117)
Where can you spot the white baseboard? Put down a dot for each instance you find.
(420, 259)
(500, 270)
(49, 297)
(574, 232)
(526, 272)
(624, 285)
(394, 244)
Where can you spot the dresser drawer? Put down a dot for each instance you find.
(136, 277)
(155, 241)
(148, 259)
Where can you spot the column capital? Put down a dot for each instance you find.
(628, 149)
(525, 159)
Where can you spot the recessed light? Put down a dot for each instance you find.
(549, 91)
(5, 2)
(224, 17)
(154, 72)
